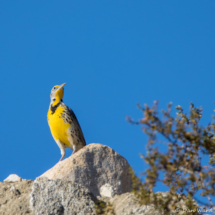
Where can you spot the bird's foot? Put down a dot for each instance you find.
(74, 152)
(61, 158)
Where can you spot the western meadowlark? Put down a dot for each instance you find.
(63, 123)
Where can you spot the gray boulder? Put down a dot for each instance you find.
(58, 197)
(94, 166)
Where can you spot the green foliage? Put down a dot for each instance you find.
(180, 166)
(104, 208)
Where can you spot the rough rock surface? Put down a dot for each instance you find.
(61, 197)
(13, 178)
(93, 166)
(58, 197)
(127, 204)
(14, 198)
(72, 186)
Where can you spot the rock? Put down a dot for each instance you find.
(107, 191)
(14, 198)
(13, 178)
(60, 197)
(93, 166)
(127, 204)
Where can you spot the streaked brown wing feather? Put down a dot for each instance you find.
(74, 119)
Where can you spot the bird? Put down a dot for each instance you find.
(63, 123)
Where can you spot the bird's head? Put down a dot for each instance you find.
(57, 94)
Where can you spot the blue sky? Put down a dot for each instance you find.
(112, 55)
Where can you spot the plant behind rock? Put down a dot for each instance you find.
(175, 149)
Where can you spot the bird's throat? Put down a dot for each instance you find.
(55, 105)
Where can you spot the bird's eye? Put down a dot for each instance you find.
(54, 88)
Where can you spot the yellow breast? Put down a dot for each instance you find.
(58, 126)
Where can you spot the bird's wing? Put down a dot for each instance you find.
(77, 125)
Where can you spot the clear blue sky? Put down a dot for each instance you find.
(112, 55)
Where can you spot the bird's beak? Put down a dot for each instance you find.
(61, 86)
